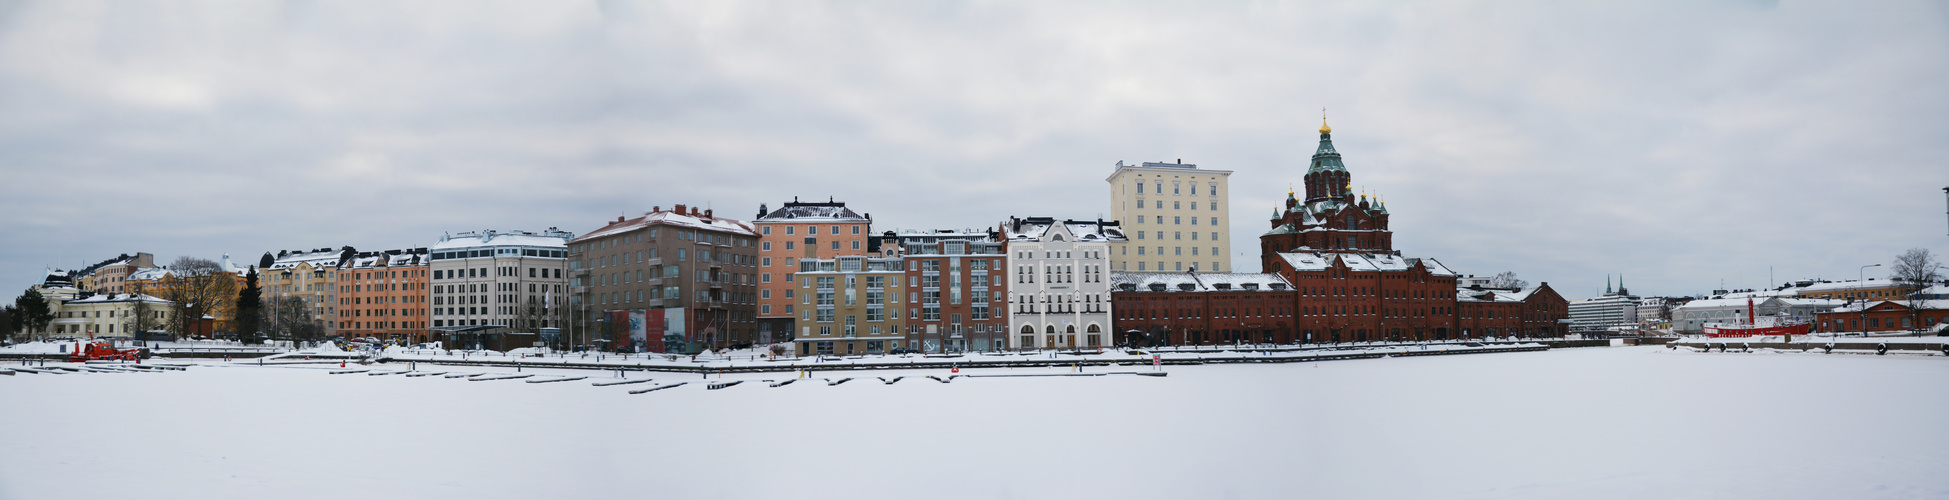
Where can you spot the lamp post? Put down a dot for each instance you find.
(1861, 319)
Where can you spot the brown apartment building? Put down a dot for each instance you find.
(681, 275)
(957, 290)
(793, 232)
(384, 295)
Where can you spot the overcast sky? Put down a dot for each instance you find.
(1678, 144)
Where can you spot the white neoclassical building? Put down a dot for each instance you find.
(1059, 286)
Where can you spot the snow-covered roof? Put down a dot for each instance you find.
(107, 298)
(794, 211)
(1870, 304)
(1034, 228)
(149, 274)
(323, 257)
(1849, 285)
(668, 218)
(1197, 282)
(1318, 261)
(388, 258)
(492, 238)
(1794, 301)
(1501, 295)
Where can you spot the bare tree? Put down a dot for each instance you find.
(143, 316)
(198, 287)
(1914, 271)
(291, 320)
(1508, 279)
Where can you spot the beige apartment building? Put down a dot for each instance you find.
(1176, 217)
(794, 232)
(849, 305)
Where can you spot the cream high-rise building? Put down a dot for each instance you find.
(1176, 216)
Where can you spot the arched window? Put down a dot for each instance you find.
(1095, 329)
(1028, 329)
(1052, 328)
(1071, 329)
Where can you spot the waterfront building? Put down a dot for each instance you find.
(793, 232)
(1194, 308)
(1871, 289)
(957, 291)
(1176, 217)
(1485, 310)
(668, 276)
(1059, 287)
(850, 305)
(1884, 316)
(115, 314)
(385, 295)
(496, 289)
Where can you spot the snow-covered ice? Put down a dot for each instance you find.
(1620, 422)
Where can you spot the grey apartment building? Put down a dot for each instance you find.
(682, 275)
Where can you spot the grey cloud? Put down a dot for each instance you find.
(1676, 143)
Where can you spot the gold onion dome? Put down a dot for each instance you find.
(1324, 129)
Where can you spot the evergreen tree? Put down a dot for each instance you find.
(250, 310)
(34, 311)
(7, 326)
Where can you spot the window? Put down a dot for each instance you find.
(1174, 188)
(788, 231)
(1140, 188)
(1177, 220)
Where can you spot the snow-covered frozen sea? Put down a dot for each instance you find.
(1620, 422)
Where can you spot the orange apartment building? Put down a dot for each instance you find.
(384, 295)
(796, 231)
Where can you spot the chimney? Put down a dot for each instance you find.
(658, 208)
(707, 213)
(680, 209)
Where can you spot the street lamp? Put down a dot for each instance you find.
(1859, 281)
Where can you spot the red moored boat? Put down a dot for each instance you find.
(1755, 326)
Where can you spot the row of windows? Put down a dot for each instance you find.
(504, 271)
(499, 252)
(810, 242)
(652, 233)
(1177, 188)
(1177, 266)
(1176, 205)
(1175, 235)
(377, 275)
(1178, 251)
(810, 229)
(1176, 220)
